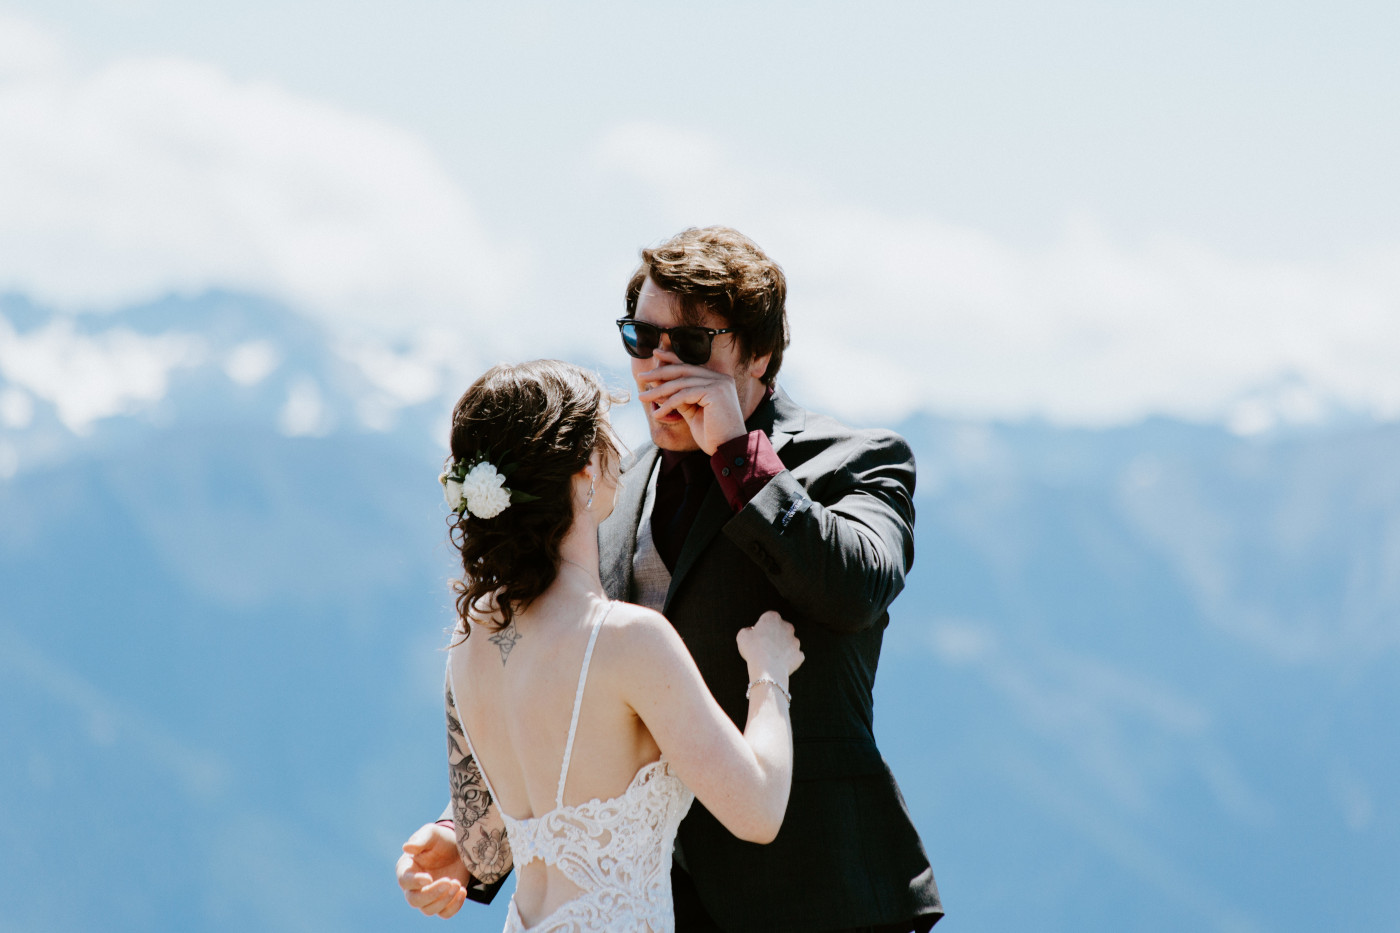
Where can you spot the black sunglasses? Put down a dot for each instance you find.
(690, 342)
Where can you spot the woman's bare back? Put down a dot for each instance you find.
(517, 697)
(520, 689)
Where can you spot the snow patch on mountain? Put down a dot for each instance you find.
(217, 356)
(88, 377)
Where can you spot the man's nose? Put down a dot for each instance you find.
(663, 351)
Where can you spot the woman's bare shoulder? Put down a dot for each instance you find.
(637, 620)
(642, 632)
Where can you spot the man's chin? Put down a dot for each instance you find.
(672, 435)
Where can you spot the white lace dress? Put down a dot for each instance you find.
(618, 851)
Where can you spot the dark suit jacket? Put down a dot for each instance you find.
(826, 543)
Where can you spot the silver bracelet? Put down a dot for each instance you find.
(768, 680)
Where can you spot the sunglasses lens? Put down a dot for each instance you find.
(639, 339)
(692, 344)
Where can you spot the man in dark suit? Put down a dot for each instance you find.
(744, 502)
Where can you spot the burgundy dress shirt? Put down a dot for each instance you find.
(742, 467)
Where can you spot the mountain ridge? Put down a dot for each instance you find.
(1140, 676)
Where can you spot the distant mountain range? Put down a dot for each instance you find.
(1143, 678)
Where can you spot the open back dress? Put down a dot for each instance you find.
(617, 851)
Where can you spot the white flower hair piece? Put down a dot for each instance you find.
(479, 487)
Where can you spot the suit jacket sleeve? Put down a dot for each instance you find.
(837, 543)
(481, 833)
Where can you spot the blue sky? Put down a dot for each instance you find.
(1082, 211)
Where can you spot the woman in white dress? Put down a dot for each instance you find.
(587, 721)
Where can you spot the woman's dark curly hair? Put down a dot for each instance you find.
(541, 421)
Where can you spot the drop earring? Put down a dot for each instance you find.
(589, 504)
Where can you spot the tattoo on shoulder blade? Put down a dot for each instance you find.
(505, 640)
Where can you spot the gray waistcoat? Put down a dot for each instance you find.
(650, 578)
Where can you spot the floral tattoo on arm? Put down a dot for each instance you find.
(481, 833)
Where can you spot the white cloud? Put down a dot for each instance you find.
(152, 175)
(156, 175)
(404, 378)
(918, 313)
(673, 161)
(16, 408)
(89, 377)
(428, 364)
(26, 50)
(250, 363)
(304, 413)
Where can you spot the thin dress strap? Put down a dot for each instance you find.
(578, 701)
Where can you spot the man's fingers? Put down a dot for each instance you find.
(665, 375)
(676, 404)
(671, 386)
(681, 396)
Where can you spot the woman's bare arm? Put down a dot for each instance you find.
(743, 779)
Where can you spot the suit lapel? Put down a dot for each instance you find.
(788, 420)
(617, 537)
(714, 512)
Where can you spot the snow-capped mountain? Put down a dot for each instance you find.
(1142, 677)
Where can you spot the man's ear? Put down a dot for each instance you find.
(759, 365)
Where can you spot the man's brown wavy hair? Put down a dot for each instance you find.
(718, 269)
(541, 421)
